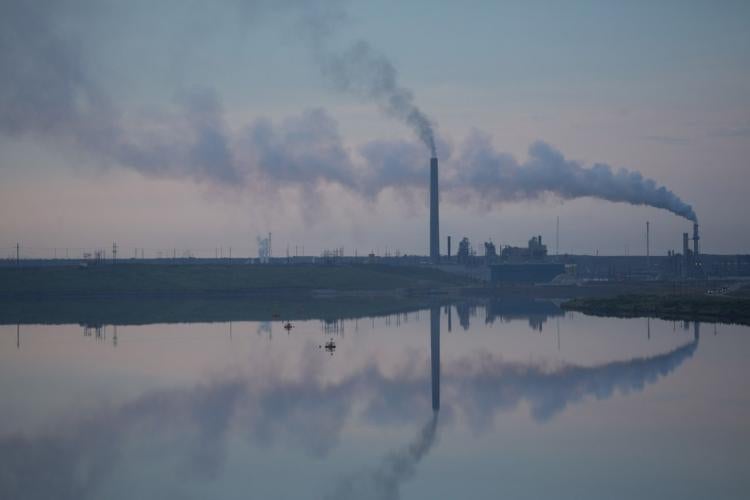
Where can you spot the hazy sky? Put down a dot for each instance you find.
(196, 125)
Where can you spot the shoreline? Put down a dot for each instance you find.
(728, 310)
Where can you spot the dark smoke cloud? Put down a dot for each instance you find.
(362, 71)
(47, 90)
(499, 177)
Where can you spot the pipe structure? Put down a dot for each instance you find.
(648, 244)
(695, 240)
(685, 256)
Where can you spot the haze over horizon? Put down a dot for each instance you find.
(194, 126)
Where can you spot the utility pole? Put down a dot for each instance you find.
(114, 252)
(648, 244)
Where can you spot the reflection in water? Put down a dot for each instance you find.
(487, 384)
(464, 310)
(384, 481)
(264, 328)
(435, 356)
(310, 412)
(536, 311)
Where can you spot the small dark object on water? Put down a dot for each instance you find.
(288, 326)
(330, 346)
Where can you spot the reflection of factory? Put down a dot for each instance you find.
(536, 311)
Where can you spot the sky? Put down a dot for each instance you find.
(190, 125)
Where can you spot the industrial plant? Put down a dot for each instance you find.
(493, 263)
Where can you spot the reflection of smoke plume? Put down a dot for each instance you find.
(486, 384)
(308, 413)
(369, 75)
(384, 481)
(498, 177)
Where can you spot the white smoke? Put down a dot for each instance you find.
(499, 177)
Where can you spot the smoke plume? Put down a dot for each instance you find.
(48, 92)
(499, 177)
(362, 71)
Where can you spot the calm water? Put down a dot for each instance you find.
(525, 402)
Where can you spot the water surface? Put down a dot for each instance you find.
(508, 399)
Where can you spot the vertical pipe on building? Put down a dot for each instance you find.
(685, 258)
(434, 216)
(695, 240)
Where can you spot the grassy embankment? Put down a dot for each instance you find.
(671, 307)
(199, 280)
(138, 294)
(134, 311)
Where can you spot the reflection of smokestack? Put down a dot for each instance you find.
(434, 217)
(435, 356)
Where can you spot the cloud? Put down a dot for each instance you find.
(48, 91)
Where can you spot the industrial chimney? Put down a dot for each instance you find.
(434, 216)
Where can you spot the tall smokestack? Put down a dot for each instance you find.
(449, 247)
(434, 215)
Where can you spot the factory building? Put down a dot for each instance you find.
(535, 250)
